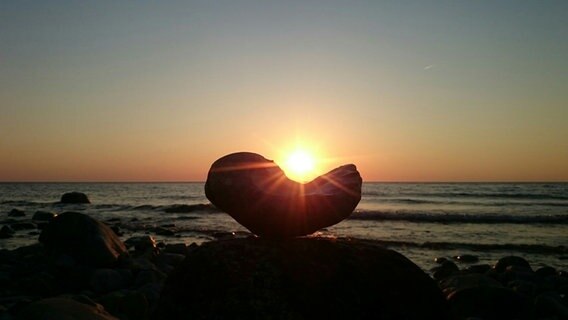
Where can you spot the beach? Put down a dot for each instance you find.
(447, 230)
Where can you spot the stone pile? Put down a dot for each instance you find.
(510, 289)
(258, 195)
(82, 270)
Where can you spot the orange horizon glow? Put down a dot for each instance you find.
(406, 92)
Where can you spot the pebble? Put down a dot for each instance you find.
(505, 262)
(6, 232)
(508, 290)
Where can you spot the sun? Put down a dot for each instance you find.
(299, 165)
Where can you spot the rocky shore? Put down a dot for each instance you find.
(81, 269)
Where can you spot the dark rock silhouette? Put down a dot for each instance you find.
(489, 302)
(508, 290)
(16, 213)
(300, 278)
(509, 261)
(75, 197)
(257, 193)
(6, 232)
(87, 240)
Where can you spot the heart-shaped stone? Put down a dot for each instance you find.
(256, 192)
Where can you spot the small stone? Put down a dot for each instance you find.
(75, 197)
(505, 262)
(6, 232)
(141, 243)
(179, 248)
(463, 281)
(444, 270)
(440, 260)
(545, 271)
(43, 216)
(16, 213)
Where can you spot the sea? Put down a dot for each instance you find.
(423, 221)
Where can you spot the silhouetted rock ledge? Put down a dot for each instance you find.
(256, 192)
(301, 278)
(74, 197)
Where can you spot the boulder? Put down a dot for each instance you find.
(64, 308)
(88, 241)
(299, 278)
(258, 195)
(444, 270)
(508, 261)
(75, 197)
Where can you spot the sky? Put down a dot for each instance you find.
(406, 90)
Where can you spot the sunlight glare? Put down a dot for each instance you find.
(299, 165)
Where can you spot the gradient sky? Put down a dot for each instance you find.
(406, 90)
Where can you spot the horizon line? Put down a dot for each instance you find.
(369, 181)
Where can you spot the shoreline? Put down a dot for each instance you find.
(144, 273)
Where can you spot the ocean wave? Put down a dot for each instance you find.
(25, 203)
(452, 195)
(528, 196)
(458, 218)
(528, 248)
(453, 201)
(186, 208)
